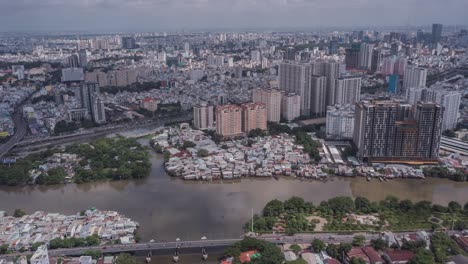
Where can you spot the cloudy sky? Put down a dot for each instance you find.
(153, 15)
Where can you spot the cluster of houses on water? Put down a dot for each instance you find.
(41, 227)
(269, 156)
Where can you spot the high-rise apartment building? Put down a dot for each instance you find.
(295, 78)
(83, 58)
(92, 102)
(229, 121)
(272, 99)
(347, 90)
(352, 57)
(400, 66)
(450, 100)
(388, 66)
(365, 56)
(333, 47)
(203, 116)
(128, 43)
(72, 75)
(376, 60)
(254, 116)
(340, 122)
(73, 61)
(389, 131)
(317, 94)
(290, 54)
(97, 108)
(290, 105)
(255, 56)
(414, 77)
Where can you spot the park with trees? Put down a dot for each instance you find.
(102, 159)
(340, 213)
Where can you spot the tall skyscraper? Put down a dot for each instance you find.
(254, 116)
(365, 56)
(400, 66)
(97, 108)
(203, 116)
(347, 90)
(388, 131)
(290, 54)
(318, 97)
(376, 60)
(394, 49)
(128, 43)
(290, 105)
(83, 58)
(388, 66)
(229, 120)
(436, 32)
(73, 61)
(414, 77)
(429, 119)
(294, 78)
(352, 57)
(255, 56)
(333, 47)
(92, 102)
(450, 100)
(272, 99)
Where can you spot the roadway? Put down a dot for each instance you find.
(35, 143)
(20, 131)
(164, 246)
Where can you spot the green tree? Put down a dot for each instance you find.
(19, 213)
(358, 241)
(124, 258)
(362, 204)
(454, 207)
(203, 153)
(273, 208)
(357, 261)
(423, 256)
(3, 249)
(379, 244)
(36, 245)
(188, 144)
(341, 204)
(318, 245)
(297, 261)
(95, 254)
(406, 205)
(295, 248)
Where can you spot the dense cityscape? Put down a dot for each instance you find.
(327, 145)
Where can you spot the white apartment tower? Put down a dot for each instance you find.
(414, 77)
(272, 99)
(203, 116)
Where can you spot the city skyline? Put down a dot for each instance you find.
(148, 15)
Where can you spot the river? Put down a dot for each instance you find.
(168, 208)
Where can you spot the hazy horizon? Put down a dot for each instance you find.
(156, 15)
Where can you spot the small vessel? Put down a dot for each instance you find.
(151, 241)
(148, 257)
(368, 178)
(380, 179)
(175, 257)
(204, 254)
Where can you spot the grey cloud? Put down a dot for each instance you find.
(180, 14)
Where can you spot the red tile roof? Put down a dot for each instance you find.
(400, 255)
(373, 255)
(357, 252)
